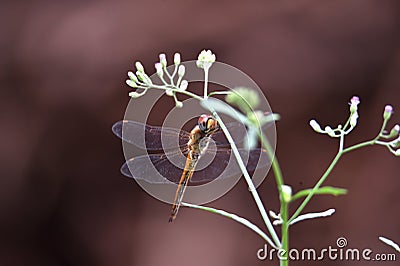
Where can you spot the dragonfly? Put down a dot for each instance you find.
(176, 154)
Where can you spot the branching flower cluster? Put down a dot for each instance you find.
(389, 140)
(172, 82)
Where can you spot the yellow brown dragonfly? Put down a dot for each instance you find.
(176, 154)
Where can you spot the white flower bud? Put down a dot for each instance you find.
(178, 104)
(353, 119)
(314, 124)
(169, 92)
(286, 193)
(159, 69)
(141, 76)
(354, 102)
(330, 131)
(205, 59)
(139, 67)
(388, 112)
(177, 58)
(163, 60)
(394, 132)
(131, 83)
(184, 85)
(134, 94)
(181, 70)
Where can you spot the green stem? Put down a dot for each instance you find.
(195, 96)
(247, 177)
(359, 145)
(316, 187)
(274, 161)
(206, 82)
(285, 232)
(284, 205)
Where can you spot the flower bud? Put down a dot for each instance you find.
(205, 59)
(169, 92)
(394, 132)
(181, 70)
(163, 60)
(132, 76)
(353, 119)
(178, 104)
(159, 69)
(177, 58)
(354, 102)
(139, 67)
(140, 76)
(330, 131)
(184, 85)
(134, 94)
(388, 112)
(314, 124)
(286, 193)
(131, 83)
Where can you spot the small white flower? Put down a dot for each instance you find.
(314, 124)
(178, 104)
(184, 85)
(177, 58)
(394, 132)
(134, 94)
(388, 112)
(353, 119)
(132, 76)
(139, 67)
(143, 77)
(159, 69)
(354, 102)
(181, 70)
(131, 83)
(330, 131)
(205, 59)
(163, 60)
(287, 193)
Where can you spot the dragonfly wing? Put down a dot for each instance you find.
(224, 164)
(238, 132)
(236, 129)
(154, 168)
(150, 137)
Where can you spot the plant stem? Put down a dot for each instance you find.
(359, 145)
(235, 217)
(316, 187)
(206, 82)
(285, 232)
(247, 177)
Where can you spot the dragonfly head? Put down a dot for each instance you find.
(208, 124)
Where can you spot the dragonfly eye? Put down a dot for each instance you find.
(207, 124)
(203, 121)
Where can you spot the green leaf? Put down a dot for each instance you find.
(213, 104)
(321, 191)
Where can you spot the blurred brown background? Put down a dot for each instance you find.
(62, 72)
